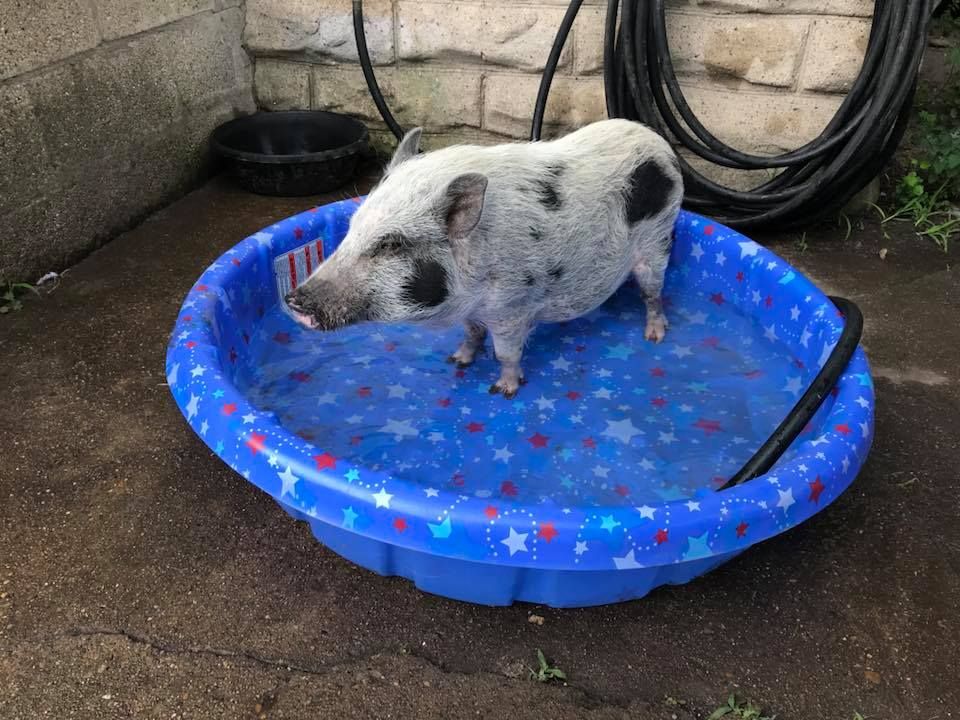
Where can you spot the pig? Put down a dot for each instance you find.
(501, 238)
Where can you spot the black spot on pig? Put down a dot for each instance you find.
(548, 187)
(556, 272)
(428, 284)
(649, 191)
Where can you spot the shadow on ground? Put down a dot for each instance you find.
(139, 576)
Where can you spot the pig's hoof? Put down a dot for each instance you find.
(656, 329)
(460, 361)
(507, 388)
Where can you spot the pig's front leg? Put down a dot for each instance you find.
(508, 342)
(472, 342)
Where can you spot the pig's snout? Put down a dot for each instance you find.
(320, 306)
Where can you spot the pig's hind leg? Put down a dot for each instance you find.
(508, 342)
(649, 273)
(472, 343)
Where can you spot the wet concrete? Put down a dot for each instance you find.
(140, 577)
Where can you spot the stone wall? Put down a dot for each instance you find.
(105, 109)
(765, 75)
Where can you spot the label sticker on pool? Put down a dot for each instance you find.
(294, 267)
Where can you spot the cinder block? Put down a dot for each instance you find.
(835, 53)
(847, 8)
(281, 85)
(509, 101)
(321, 30)
(119, 18)
(35, 34)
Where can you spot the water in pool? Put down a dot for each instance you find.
(606, 418)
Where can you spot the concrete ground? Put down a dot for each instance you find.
(141, 577)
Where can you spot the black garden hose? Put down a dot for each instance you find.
(361, 38)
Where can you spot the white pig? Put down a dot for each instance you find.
(504, 237)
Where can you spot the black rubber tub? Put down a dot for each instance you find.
(291, 153)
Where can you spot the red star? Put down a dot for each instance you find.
(711, 341)
(658, 402)
(490, 511)
(282, 337)
(708, 230)
(717, 480)
(364, 391)
(298, 233)
(753, 374)
(662, 536)
(708, 426)
(235, 261)
(444, 402)
(508, 488)
(356, 439)
(740, 276)
(475, 427)
(573, 395)
(233, 355)
(580, 348)
(622, 490)
(590, 443)
(300, 376)
(799, 364)
(547, 531)
(390, 346)
(658, 372)
(255, 442)
(187, 318)
(201, 288)
(538, 440)
(399, 524)
(769, 301)
(843, 429)
(229, 409)
(325, 461)
(717, 298)
(835, 391)
(742, 529)
(816, 487)
(461, 373)
(458, 479)
(357, 200)
(190, 344)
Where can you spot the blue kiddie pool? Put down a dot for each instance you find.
(611, 472)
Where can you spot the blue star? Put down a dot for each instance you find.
(352, 475)
(698, 547)
(219, 448)
(218, 394)
(608, 523)
(864, 379)
(619, 352)
(349, 516)
(441, 531)
(566, 453)
(697, 387)
(566, 482)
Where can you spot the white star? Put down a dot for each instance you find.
(406, 370)
(622, 430)
(698, 318)
(249, 418)
(328, 398)
(400, 429)
(517, 542)
(748, 249)
(397, 391)
(431, 492)
(681, 351)
(770, 333)
(802, 467)
(771, 265)
(786, 499)
(755, 296)
(197, 371)
(627, 562)
(576, 419)
(794, 313)
(845, 463)
(289, 481)
(825, 355)
(204, 426)
(580, 548)
(561, 363)
(601, 471)
(603, 373)
(542, 403)
(354, 419)
(822, 440)
(686, 408)
(697, 251)
(646, 511)
(693, 506)
(502, 454)
(667, 438)
(601, 393)
(646, 464)
(436, 437)
(721, 258)
(273, 460)
(192, 406)
(865, 429)
(794, 385)
(382, 498)
(805, 336)
(862, 402)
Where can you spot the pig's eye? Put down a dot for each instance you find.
(391, 245)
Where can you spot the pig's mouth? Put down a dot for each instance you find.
(324, 316)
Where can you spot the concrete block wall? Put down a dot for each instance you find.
(105, 110)
(765, 75)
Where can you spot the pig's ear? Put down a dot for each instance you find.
(409, 146)
(465, 196)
